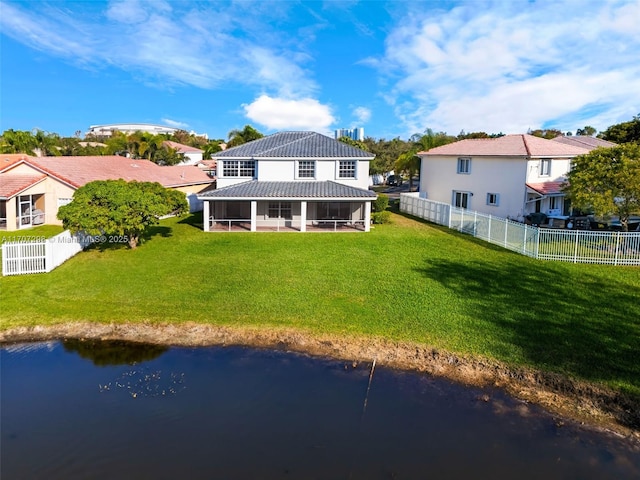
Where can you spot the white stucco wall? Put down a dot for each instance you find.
(559, 169)
(504, 176)
(286, 171)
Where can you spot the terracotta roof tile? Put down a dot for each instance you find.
(11, 185)
(181, 148)
(546, 188)
(77, 171)
(508, 145)
(8, 159)
(584, 141)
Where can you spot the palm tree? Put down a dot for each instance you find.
(46, 143)
(247, 134)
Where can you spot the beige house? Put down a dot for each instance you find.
(32, 189)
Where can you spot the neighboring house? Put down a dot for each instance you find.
(32, 189)
(290, 180)
(208, 166)
(192, 155)
(583, 141)
(510, 176)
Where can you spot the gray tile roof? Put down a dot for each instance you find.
(294, 145)
(256, 189)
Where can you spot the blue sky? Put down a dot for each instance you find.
(393, 68)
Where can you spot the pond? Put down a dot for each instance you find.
(104, 410)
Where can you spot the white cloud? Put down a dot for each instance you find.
(129, 11)
(362, 115)
(185, 43)
(282, 113)
(509, 67)
(175, 123)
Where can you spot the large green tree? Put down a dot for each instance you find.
(607, 180)
(17, 141)
(120, 209)
(623, 132)
(547, 133)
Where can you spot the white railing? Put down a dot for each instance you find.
(41, 255)
(577, 246)
(277, 225)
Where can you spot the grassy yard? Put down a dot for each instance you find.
(405, 281)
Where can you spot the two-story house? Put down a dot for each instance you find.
(509, 176)
(298, 181)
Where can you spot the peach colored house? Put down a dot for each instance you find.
(33, 188)
(509, 176)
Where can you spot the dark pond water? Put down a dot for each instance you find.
(106, 411)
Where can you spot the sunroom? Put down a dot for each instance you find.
(287, 206)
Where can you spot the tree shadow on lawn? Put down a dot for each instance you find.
(194, 220)
(118, 242)
(588, 330)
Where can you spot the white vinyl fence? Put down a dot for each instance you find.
(41, 255)
(577, 246)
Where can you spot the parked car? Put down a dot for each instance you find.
(394, 180)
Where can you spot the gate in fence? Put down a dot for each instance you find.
(577, 246)
(41, 256)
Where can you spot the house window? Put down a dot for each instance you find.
(461, 199)
(347, 169)
(64, 201)
(239, 168)
(306, 169)
(545, 167)
(464, 165)
(280, 210)
(493, 199)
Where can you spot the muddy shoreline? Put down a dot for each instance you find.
(591, 405)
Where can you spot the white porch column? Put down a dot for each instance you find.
(367, 216)
(254, 214)
(303, 216)
(205, 215)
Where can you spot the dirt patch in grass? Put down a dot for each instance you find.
(588, 404)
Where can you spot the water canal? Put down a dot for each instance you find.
(105, 410)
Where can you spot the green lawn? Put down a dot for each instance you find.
(406, 281)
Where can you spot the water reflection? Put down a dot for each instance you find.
(244, 414)
(113, 352)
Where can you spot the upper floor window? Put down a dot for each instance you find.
(239, 168)
(464, 165)
(545, 167)
(347, 169)
(306, 169)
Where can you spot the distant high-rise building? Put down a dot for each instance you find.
(352, 133)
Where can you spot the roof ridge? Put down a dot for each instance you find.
(302, 137)
(526, 145)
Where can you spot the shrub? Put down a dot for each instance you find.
(381, 217)
(381, 203)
